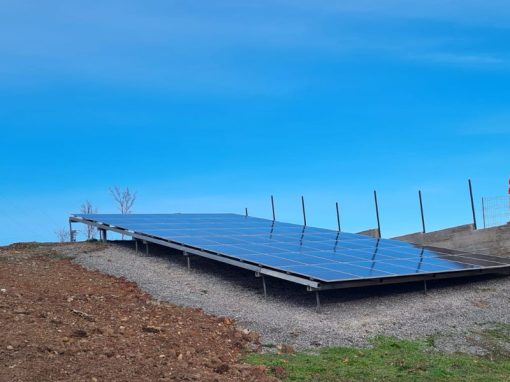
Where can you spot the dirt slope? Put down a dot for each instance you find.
(61, 322)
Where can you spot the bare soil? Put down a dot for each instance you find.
(61, 322)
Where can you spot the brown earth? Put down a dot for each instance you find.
(61, 322)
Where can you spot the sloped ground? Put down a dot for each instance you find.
(452, 311)
(62, 322)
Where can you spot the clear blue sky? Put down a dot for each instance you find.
(206, 106)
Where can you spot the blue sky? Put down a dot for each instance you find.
(213, 106)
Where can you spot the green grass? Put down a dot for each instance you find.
(389, 359)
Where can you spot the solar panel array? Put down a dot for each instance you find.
(319, 254)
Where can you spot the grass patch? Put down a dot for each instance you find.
(389, 359)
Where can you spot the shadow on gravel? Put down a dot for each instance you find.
(292, 293)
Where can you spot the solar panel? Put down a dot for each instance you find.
(318, 254)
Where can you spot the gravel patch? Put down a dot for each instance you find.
(450, 311)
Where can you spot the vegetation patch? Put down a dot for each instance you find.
(389, 359)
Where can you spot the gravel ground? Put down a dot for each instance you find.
(451, 311)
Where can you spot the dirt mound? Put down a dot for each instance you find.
(62, 322)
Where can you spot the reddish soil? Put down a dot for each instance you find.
(61, 322)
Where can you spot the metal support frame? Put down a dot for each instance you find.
(304, 211)
(421, 212)
(188, 261)
(272, 207)
(70, 231)
(146, 247)
(103, 235)
(136, 246)
(472, 203)
(264, 286)
(377, 214)
(318, 302)
(338, 217)
(246, 212)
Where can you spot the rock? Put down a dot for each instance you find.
(227, 321)
(287, 349)
(79, 333)
(279, 372)
(221, 369)
(9, 347)
(151, 329)
(3, 290)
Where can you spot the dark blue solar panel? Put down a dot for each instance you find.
(316, 253)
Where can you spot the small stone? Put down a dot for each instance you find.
(3, 290)
(151, 329)
(287, 349)
(227, 321)
(9, 347)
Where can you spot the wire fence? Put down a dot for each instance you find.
(496, 211)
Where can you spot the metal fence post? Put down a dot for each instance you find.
(483, 213)
(377, 213)
(338, 217)
(421, 211)
(472, 203)
(304, 212)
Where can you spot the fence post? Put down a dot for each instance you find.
(338, 217)
(377, 214)
(472, 203)
(483, 213)
(304, 212)
(421, 211)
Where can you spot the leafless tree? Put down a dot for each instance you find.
(124, 198)
(62, 234)
(88, 208)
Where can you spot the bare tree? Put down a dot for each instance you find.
(124, 198)
(87, 208)
(62, 234)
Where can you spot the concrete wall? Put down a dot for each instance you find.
(374, 232)
(490, 241)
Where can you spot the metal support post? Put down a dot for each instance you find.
(188, 262)
(136, 246)
(264, 286)
(318, 302)
(304, 212)
(483, 213)
(246, 212)
(425, 286)
(377, 214)
(338, 217)
(70, 231)
(146, 248)
(421, 211)
(472, 203)
(272, 207)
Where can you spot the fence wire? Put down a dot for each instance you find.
(496, 211)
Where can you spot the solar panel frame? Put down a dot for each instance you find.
(320, 255)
